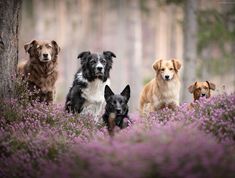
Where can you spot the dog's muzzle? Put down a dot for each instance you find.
(99, 71)
(203, 95)
(167, 77)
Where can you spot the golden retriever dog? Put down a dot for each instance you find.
(164, 90)
(201, 89)
(40, 71)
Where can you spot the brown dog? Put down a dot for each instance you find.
(40, 70)
(201, 89)
(164, 89)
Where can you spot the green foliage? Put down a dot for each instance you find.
(168, 2)
(213, 28)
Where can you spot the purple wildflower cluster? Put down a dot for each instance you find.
(39, 140)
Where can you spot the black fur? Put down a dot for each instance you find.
(88, 73)
(116, 105)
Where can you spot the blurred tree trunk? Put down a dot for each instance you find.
(190, 47)
(172, 28)
(134, 51)
(9, 27)
(39, 18)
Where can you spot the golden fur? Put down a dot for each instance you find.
(160, 92)
(201, 89)
(40, 70)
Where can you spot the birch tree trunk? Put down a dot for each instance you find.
(134, 52)
(9, 27)
(190, 47)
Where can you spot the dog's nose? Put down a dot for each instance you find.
(203, 94)
(99, 68)
(167, 77)
(45, 55)
(118, 110)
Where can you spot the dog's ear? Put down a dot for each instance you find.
(211, 85)
(192, 87)
(157, 65)
(84, 54)
(56, 46)
(126, 92)
(109, 54)
(107, 92)
(28, 46)
(176, 64)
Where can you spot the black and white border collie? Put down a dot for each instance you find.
(86, 96)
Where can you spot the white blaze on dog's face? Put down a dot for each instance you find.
(167, 68)
(43, 50)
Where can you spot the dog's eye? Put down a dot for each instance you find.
(162, 69)
(205, 88)
(49, 46)
(114, 102)
(102, 61)
(39, 47)
(171, 69)
(93, 62)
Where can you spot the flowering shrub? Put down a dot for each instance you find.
(39, 140)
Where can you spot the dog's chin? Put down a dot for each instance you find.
(167, 79)
(203, 96)
(99, 74)
(45, 60)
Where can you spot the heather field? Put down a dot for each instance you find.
(44, 141)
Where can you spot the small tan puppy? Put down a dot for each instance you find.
(40, 71)
(201, 89)
(164, 89)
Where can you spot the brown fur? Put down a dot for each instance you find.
(159, 93)
(200, 88)
(40, 75)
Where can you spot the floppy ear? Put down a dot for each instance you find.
(84, 54)
(28, 46)
(109, 54)
(191, 87)
(157, 65)
(211, 85)
(176, 64)
(107, 92)
(126, 92)
(57, 48)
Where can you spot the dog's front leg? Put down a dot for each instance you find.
(49, 97)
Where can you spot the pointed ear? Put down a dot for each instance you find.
(56, 46)
(211, 85)
(157, 65)
(192, 87)
(176, 64)
(107, 92)
(28, 46)
(109, 54)
(126, 92)
(84, 54)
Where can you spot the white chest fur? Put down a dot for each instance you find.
(169, 93)
(94, 95)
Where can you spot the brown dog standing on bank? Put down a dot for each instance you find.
(164, 89)
(40, 71)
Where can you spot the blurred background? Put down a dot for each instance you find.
(138, 32)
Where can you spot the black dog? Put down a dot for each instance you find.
(116, 109)
(87, 92)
